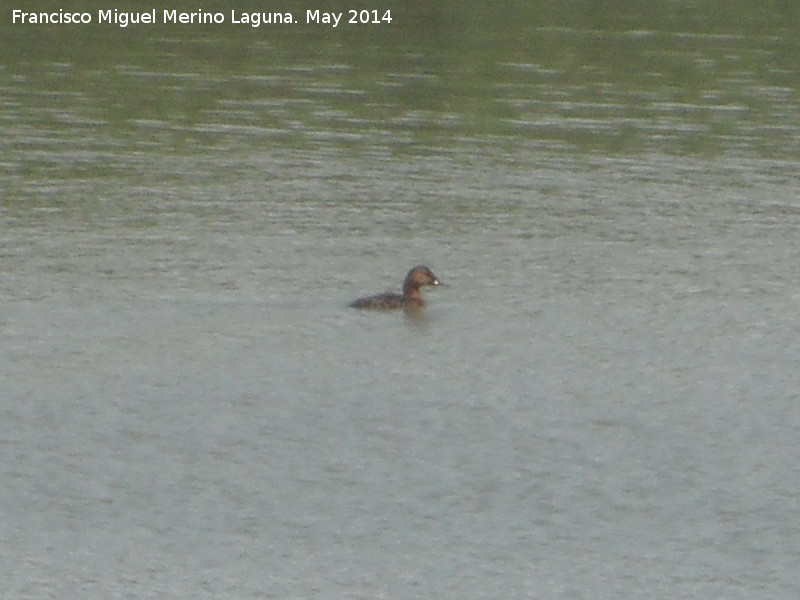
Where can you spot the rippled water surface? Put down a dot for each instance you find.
(601, 401)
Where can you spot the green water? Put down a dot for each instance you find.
(622, 78)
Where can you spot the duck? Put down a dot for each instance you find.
(409, 299)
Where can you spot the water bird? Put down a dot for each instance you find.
(409, 299)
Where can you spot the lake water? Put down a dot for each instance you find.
(601, 401)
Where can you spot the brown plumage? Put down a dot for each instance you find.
(410, 298)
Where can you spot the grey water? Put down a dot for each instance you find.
(601, 401)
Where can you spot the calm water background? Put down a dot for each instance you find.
(602, 402)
